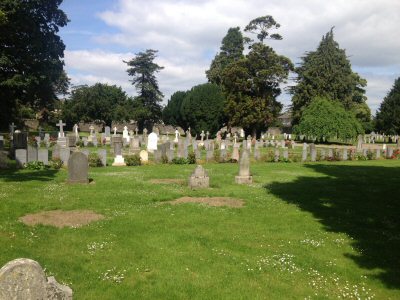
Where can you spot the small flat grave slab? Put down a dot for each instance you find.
(211, 201)
(168, 181)
(60, 219)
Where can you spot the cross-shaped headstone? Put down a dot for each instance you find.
(207, 134)
(91, 129)
(202, 135)
(115, 130)
(136, 131)
(61, 125)
(12, 127)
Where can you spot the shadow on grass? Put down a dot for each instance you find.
(18, 175)
(361, 201)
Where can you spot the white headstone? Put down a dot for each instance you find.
(144, 156)
(152, 142)
(125, 134)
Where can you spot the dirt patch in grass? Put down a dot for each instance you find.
(168, 181)
(60, 218)
(212, 201)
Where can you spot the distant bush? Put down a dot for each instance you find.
(133, 160)
(191, 158)
(56, 163)
(180, 161)
(94, 160)
(36, 165)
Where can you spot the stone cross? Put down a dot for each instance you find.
(12, 127)
(235, 137)
(61, 125)
(202, 135)
(115, 130)
(136, 131)
(91, 129)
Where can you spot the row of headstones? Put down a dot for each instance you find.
(31, 154)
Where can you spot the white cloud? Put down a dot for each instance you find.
(188, 34)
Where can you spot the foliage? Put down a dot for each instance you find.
(180, 161)
(172, 112)
(98, 102)
(328, 119)
(143, 69)
(191, 158)
(36, 165)
(262, 26)
(388, 114)
(133, 160)
(56, 163)
(327, 73)
(94, 160)
(31, 55)
(203, 108)
(251, 86)
(231, 50)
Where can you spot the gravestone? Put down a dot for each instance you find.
(144, 156)
(24, 278)
(276, 155)
(345, 155)
(71, 140)
(86, 152)
(330, 153)
(313, 152)
(360, 140)
(323, 154)
(389, 152)
(1, 142)
(235, 153)
(170, 155)
(244, 176)
(223, 154)
(152, 141)
(199, 178)
(64, 155)
(209, 155)
(3, 160)
(197, 153)
(304, 154)
(43, 156)
(78, 168)
(181, 149)
(20, 140)
(103, 156)
(285, 153)
(157, 154)
(378, 153)
(21, 157)
(32, 153)
(56, 152)
(118, 159)
(134, 145)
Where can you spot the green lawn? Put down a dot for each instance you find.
(307, 231)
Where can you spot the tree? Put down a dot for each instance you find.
(31, 55)
(231, 50)
(327, 73)
(262, 26)
(143, 69)
(172, 112)
(251, 86)
(98, 102)
(388, 114)
(328, 119)
(202, 108)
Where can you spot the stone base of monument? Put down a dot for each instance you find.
(199, 179)
(119, 161)
(244, 179)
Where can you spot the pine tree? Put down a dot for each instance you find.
(388, 115)
(327, 73)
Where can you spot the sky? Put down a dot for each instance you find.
(102, 34)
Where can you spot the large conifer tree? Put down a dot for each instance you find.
(326, 72)
(388, 115)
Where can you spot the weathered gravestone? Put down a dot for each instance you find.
(134, 145)
(21, 157)
(3, 160)
(64, 155)
(360, 140)
(32, 153)
(244, 176)
(235, 153)
(152, 142)
(199, 178)
(313, 152)
(276, 155)
(209, 155)
(144, 156)
(389, 152)
(285, 153)
(78, 168)
(20, 140)
(43, 156)
(1, 142)
(378, 153)
(103, 156)
(157, 155)
(86, 152)
(118, 160)
(25, 279)
(323, 154)
(345, 155)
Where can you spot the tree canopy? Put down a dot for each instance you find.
(202, 108)
(327, 73)
(172, 111)
(388, 114)
(143, 70)
(98, 102)
(31, 55)
(328, 119)
(231, 50)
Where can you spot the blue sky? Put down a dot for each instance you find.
(188, 34)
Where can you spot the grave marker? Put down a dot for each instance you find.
(78, 168)
(199, 178)
(244, 176)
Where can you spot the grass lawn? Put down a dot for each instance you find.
(307, 231)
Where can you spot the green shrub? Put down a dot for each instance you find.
(94, 160)
(133, 160)
(90, 144)
(180, 161)
(370, 155)
(191, 158)
(79, 143)
(43, 144)
(164, 159)
(56, 163)
(36, 165)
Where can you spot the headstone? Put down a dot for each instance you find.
(181, 148)
(3, 160)
(176, 136)
(78, 168)
(157, 154)
(21, 157)
(75, 130)
(86, 152)
(345, 154)
(199, 178)
(134, 145)
(235, 153)
(323, 154)
(244, 176)
(144, 156)
(118, 159)
(209, 155)
(170, 155)
(152, 142)
(202, 135)
(20, 140)
(304, 154)
(286, 153)
(276, 155)
(223, 154)
(103, 156)
(197, 153)
(330, 153)
(360, 140)
(32, 153)
(85, 141)
(313, 152)
(43, 156)
(378, 154)
(125, 135)
(24, 278)
(61, 125)
(256, 153)
(56, 152)
(1, 142)
(389, 152)
(71, 141)
(65, 155)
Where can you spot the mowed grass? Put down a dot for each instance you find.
(307, 231)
